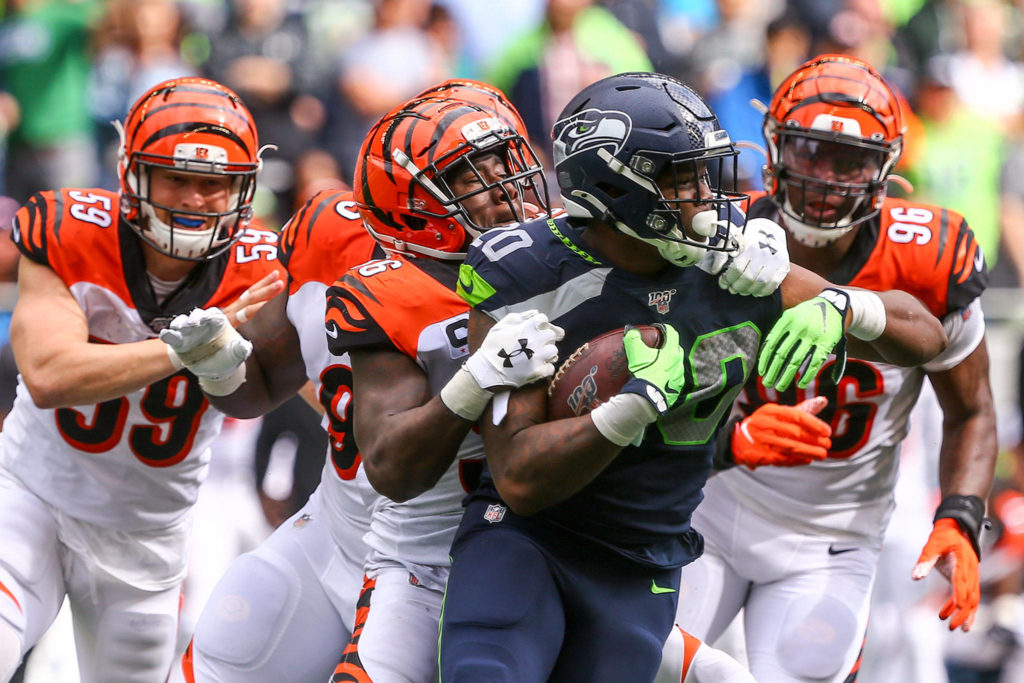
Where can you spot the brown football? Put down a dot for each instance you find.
(593, 373)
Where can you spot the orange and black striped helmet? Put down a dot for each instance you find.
(192, 125)
(402, 178)
(834, 131)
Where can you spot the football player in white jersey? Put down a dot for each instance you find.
(466, 167)
(314, 562)
(103, 453)
(797, 548)
(284, 611)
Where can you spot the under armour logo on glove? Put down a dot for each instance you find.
(509, 355)
(518, 350)
(758, 264)
(768, 246)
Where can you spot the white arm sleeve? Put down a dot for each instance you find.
(965, 329)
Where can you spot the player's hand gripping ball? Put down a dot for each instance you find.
(593, 373)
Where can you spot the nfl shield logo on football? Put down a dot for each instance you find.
(495, 513)
(659, 301)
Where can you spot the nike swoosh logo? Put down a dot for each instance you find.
(332, 331)
(824, 311)
(467, 287)
(658, 590)
(832, 550)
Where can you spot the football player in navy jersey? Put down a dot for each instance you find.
(566, 564)
(834, 131)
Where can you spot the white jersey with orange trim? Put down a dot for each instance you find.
(132, 463)
(929, 252)
(410, 306)
(323, 240)
(306, 577)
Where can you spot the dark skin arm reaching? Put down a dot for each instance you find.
(407, 437)
(968, 454)
(274, 371)
(912, 334)
(535, 463)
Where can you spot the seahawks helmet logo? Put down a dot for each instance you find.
(590, 129)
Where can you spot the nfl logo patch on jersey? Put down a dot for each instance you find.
(495, 513)
(660, 301)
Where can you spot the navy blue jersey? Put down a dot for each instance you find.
(640, 505)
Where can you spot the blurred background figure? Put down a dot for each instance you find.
(575, 44)
(264, 51)
(289, 455)
(137, 45)
(959, 157)
(786, 45)
(44, 68)
(393, 61)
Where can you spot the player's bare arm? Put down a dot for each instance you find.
(966, 465)
(407, 437)
(968, 453)
(536, 463)
(912, 335)
(274, 370)
(60, 366)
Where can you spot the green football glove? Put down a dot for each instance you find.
(803, 337)
(658, 374)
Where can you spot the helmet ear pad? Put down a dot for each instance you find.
(190, 126)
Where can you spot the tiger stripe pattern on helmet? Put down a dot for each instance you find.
(400, 183)
(833, 100)
(191, 125)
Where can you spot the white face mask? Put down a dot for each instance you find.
(705, 224)
(182, 243)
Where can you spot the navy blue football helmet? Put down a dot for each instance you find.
(614, 141)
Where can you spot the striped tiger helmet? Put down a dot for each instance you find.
(192, 125)
(834, 131)
(403, 179)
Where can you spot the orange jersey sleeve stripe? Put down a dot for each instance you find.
(401, 300)
(6, 591)
(324, 239)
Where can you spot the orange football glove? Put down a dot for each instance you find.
(952, 550)
(782, 436)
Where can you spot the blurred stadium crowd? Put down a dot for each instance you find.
(317, 73)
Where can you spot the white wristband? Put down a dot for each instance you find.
(623, 418)
(867, 314)
(464, 397)
(222, 386)
(175, 359)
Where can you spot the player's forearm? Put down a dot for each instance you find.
(90, 373)
(967, 457)
(406, 453)
(969, 448)
(912, 335)
(544, 464)
(262, 391)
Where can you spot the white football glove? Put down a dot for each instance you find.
(518, 350)
(758, 265)
(205, 342)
